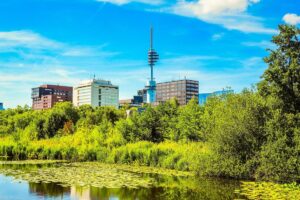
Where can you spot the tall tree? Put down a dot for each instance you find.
(279, 157)
(282, 78)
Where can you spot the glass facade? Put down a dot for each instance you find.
(1, 106)
(204, 96)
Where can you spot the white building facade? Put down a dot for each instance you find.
(96, 92)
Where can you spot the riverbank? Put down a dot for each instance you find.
(80, 147)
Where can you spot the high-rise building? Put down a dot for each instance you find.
(46, 96)
(1, 106)
(96, 92)
(204, 96)
(152, 59)
(182, 90)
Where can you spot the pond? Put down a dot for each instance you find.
(10, 190)
(91, 181)
(24, 180)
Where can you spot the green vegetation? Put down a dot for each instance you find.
(251, 135)
(81, 174)
(93, 174)
(269, 191)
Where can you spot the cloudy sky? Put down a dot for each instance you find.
(218, 42)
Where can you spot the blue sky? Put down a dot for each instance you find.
(218, 42)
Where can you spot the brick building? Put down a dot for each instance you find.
(45, 96)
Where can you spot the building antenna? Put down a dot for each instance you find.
(151, 37)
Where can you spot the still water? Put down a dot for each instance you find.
(173, 188)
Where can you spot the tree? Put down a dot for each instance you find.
(168, 116)
(279, 157)
(282, 78)
(189, 122)
(234, 126)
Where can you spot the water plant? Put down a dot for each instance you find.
(269, 191)
(88, 174)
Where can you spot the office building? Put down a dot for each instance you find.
(96, 92)
(1, 106)
(46, 96)
(182, 90)
(204, 96)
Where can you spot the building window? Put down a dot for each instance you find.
(99, 103)
(99, 91)
(100, 97)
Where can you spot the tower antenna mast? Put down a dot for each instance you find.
(151, 38)
(152, 59)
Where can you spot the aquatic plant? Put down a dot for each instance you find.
(88, 174)
(269, 191)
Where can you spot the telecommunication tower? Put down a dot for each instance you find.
(152, 59)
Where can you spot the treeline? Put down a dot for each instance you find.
(252, 135)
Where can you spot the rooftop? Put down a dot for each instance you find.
(95, 81)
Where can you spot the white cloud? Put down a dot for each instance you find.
(217, 36)
(254, 62)
(230, 14)
(122, 2)
(26, 39)
(261, 44)
(87, 52)
(292, 19)
(213, 7)
(216, 7)
(17, 41)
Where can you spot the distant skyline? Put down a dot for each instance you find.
(221, 43)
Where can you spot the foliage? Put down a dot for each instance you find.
(282, 78)
(279, 158)
(269, 191)
(235, 130)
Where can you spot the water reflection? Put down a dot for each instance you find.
(48, 190)
(206, 189)
(164, 187)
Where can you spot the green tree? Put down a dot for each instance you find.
(189, 122)
(279, 158)
(280, 85)
(282, 78)
(168, 118)
(235, 129)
